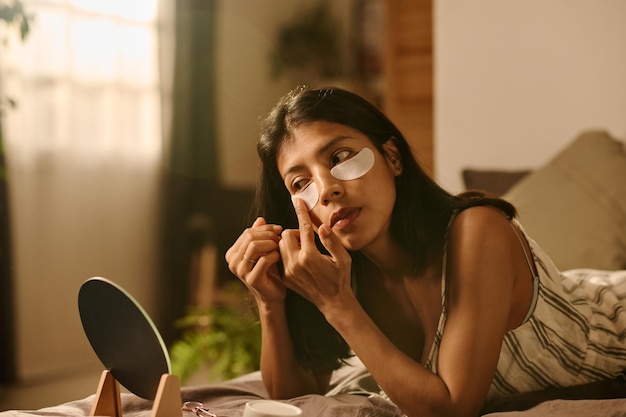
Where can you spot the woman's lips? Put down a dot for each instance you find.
(344, 217)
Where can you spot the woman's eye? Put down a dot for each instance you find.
(339, 157)
(299, 185)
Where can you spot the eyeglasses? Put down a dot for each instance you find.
(197, 408)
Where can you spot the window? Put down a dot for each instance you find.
(83, 154)
(85, 80)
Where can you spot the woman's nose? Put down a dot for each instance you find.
(330, 188)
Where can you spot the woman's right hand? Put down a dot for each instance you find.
(254, 258)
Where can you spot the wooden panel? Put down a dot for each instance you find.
(408, 73)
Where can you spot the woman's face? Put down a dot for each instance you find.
(344, 180)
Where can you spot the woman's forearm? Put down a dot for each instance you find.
(282, 375)
(413, 388)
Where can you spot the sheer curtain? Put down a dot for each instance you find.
(83, 153)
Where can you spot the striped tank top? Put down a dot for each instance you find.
(574, 332)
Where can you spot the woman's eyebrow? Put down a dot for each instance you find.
(331, 143)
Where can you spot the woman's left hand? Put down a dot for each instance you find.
(320, 278)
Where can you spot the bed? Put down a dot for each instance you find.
(228, 399)
(574, 206)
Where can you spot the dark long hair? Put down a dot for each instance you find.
(419, 220)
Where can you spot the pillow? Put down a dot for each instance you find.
(495, 182)
(599, 390)
(574, 207)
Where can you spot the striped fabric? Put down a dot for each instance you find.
(575, 334)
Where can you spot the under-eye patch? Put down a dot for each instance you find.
(355, 167)
(310, 195)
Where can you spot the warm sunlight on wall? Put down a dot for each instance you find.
(99, 57)
(518, 81)
(84, 156)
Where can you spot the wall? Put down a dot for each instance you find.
(72, 222)
(245, 91)
(83, 153)
(517, 80)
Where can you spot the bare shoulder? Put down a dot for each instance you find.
(482, 233)
(482, 269)
(487, 214)
(486, 262)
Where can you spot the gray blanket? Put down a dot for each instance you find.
(353, 394)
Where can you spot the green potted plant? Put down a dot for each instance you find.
(307, 47)
(223, 341)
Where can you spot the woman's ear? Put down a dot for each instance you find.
(394, 159)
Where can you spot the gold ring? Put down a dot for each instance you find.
(248, 259)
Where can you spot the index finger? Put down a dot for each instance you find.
(307, 234)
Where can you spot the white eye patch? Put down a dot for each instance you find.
(355, 167)
(310, 195)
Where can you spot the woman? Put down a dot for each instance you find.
(442, 297)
